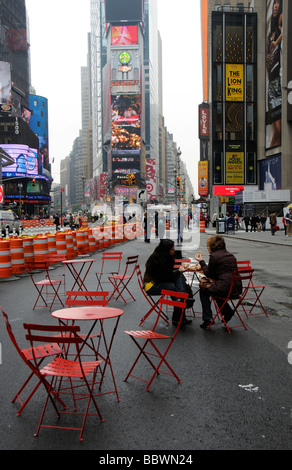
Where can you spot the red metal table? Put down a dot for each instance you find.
(80, 275)
(95, 314)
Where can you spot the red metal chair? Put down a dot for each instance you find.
(154, 305)
(61, 368)
(120, 282)
(41, 352)
(110, 264)
(252, 298)
(86, 298)
(236, 276)
(47, 287)
(153, 338)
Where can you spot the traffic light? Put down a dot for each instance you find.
(133, 181)
(33, 182)
(128, 179)
(178, 181)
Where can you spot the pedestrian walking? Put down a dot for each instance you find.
(288, 219)
(263, 220)
(246, 220)
(273, 222)
(214, 218)
(253, 223)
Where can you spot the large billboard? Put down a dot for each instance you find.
(289, 66)
(5, 87)
(234, 167)
(117, 11)
(203, 183)
(126, 140)
(270, 173)
(124, 35)
(126, 123)
(234, 82)
(274, 21)
(26, 162)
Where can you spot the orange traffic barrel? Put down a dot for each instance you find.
(52, 247)
(202, 226)
(86, 242)
(17, 255)
(74, 243)
(28, 251)
(40, 248)
(70, 245)
(91, 241)
(5, 260)
(80, 241)
(61, 244)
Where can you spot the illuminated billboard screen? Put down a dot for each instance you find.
(124, 35)
(25, 161)
(5, 87)
(126, 123)
(123, 10)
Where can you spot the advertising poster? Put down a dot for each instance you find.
(270, 173)
(25, 161)
(124, 35)
(126, 122)
(234, 168)
(5, 87)
(274, 21)
(150, 177)
(234, 82)
(203, 173)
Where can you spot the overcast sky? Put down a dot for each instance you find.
(58, 38)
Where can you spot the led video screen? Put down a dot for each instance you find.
(124, 35)
(25, 161)
(123, 10)
(126, 122)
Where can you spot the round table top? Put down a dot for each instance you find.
(87, 313)
(85, 260)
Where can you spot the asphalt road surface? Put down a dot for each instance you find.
(236, 388)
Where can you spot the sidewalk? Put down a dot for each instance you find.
(263, 237)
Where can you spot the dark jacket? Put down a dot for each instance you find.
(160, 268)
(221, 266)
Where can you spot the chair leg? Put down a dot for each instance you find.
(40, 294)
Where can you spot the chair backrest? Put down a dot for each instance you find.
(243, 265)
(140, 277)
(27, 354)
(38, 265)
(167, 298)
(86, 298)
(242, 275)
(131, 263)
(115, 257)
(61, 334)
(10, 333)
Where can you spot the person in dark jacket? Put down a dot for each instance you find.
(220, 268)
(253, 222)
(246, 220)
(160, 274)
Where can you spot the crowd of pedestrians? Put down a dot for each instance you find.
(256, 222)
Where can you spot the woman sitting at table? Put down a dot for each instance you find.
(160, 274)
(221, 266)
